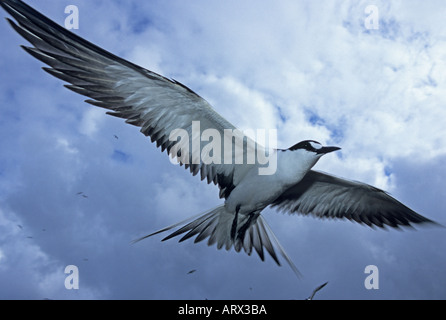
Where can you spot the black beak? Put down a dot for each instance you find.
(325, 150)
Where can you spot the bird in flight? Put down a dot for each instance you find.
(316, 290)
(162, 106)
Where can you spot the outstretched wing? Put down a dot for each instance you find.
(326, 196)
(160, 106)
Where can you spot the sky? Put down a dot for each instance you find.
(77, 186)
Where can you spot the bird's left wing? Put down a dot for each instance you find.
(160, 106)
(326, 196)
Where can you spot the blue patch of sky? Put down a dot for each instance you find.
(9, 113)
(417, 36)
(430, 82)
(282, 116)
(337, 134)
(354, 26)
(336, 131)
(387, 171)
(140, 25)
(355, 23)
(120, 156)
(314, 118)
(140, 20)
(389, 29)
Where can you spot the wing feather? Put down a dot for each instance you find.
(143, 98)
(325, 196)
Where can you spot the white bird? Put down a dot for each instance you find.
(159, 106)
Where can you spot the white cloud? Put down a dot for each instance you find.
(91, 121)
(63, 144)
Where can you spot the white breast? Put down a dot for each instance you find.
(255, 191)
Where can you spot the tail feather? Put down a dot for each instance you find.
(226, 229)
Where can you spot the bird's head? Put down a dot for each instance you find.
(311, 151)
(314, 148)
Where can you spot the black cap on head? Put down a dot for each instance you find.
(313, 146)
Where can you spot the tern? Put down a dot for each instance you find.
(311, 297)
(159, 105)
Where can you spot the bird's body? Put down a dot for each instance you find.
(255, 192)
(163, 107)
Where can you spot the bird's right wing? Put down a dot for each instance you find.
(326, 196)
(158, 105)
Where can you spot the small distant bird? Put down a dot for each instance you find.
(192, 271)
(316, 290)
(161, 106)
(20, 226)
(116, 137)
(82, 194)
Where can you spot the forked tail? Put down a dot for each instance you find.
(227, 229)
